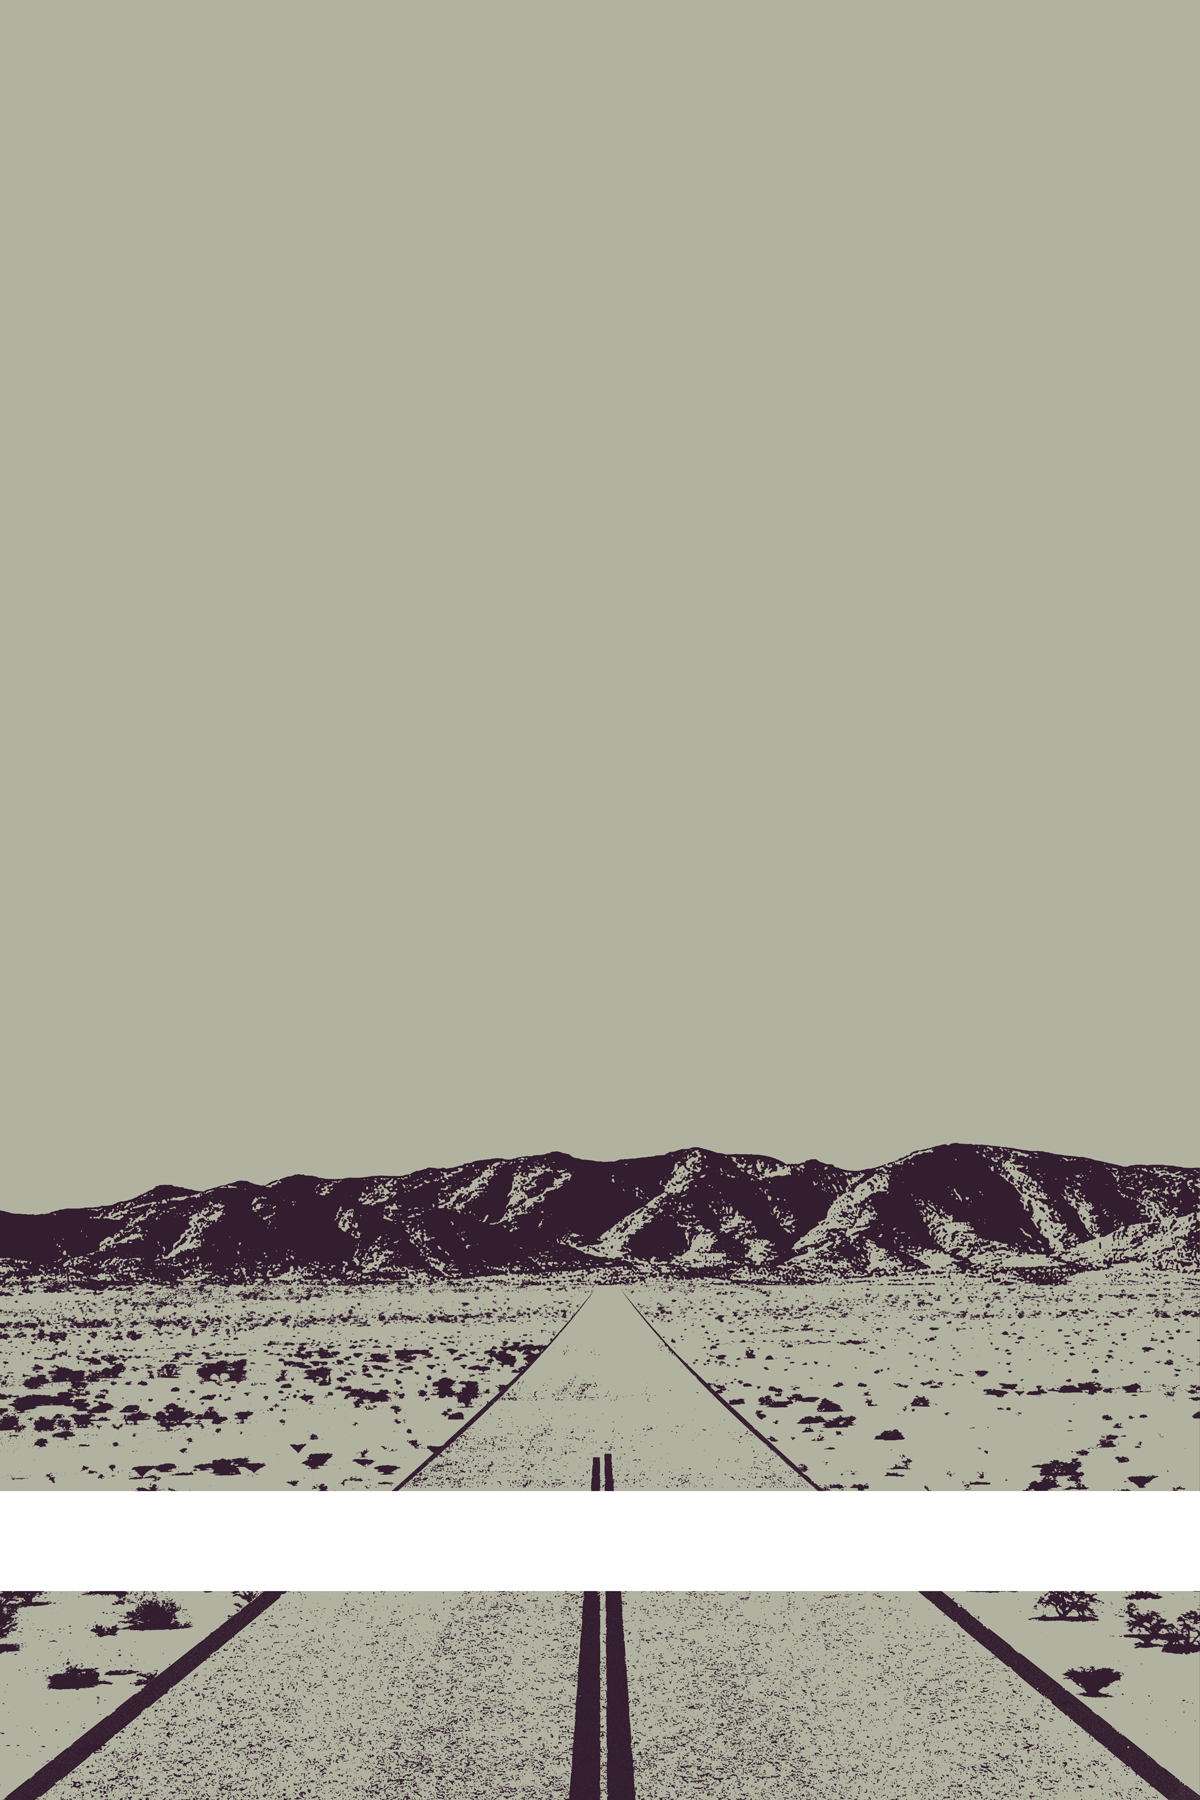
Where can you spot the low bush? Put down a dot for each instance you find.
(1183, 1635)
(1070, 1473)
(1146, 1627)
(1178, 1637)
(73, 1676)
(155, 1612)
(1069, 1604)
(1093, 1681)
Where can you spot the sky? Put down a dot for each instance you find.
(589, 601)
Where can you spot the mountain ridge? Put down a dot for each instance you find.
(970, 1207)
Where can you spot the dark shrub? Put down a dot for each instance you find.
(1069, 1604)
(1146, 1627)
(155, 1612)
(170, 1416)
(1053, 1472)
(213, 1371)
(75, 1677)
(1183, 1637)
(1093, 1681)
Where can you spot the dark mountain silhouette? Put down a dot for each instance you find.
(958, 1206)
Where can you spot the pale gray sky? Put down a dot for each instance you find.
(596, 582)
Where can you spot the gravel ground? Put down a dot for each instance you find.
(203, 1388)
(1157, 1700)
(956, 1382)
(37, 1721)
(937, 1382)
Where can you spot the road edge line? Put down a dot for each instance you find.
(794, 1467)
(43, 1779)
(1131, 1754)
(495, 1399)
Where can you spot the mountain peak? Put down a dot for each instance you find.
(950, 1207)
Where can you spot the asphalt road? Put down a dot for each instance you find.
(362, 1696)
(608, 1383)
(741, 1696)
(745, 1696)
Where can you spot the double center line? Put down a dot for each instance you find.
(591, 1753)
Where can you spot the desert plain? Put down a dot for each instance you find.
(915, 1381)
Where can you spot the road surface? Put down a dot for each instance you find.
(741, 1696)
(608, 1383)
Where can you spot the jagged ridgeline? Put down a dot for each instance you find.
(959, 1206)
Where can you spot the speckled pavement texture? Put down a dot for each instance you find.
(608, 1383)
(836, 1695)
(743, 1695)
(357, 1695)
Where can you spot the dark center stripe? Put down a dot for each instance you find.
(585, 1755)
(620, 1735)
(608, 1474)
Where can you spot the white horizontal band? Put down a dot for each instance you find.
(635, 1541)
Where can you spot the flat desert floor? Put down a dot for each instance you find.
(60, 1630)
(286, 1387)
(923, 1382)
(889, 1382)
(1155, 1699)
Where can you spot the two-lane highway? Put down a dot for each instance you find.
(609, 1380)
(550, 1696)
